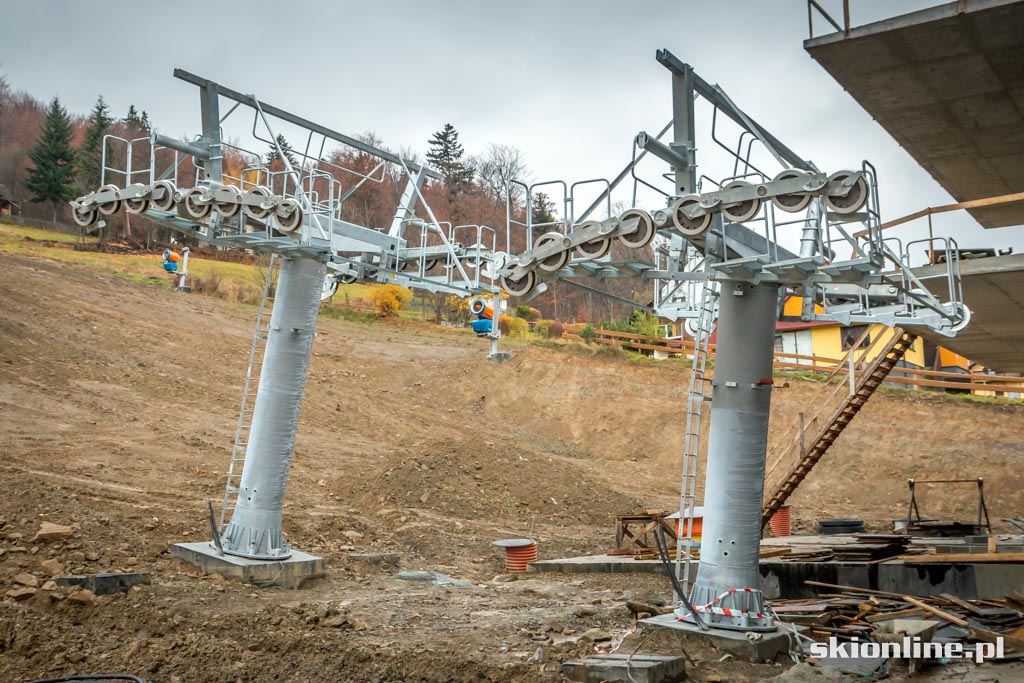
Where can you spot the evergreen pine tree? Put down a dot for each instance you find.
(133, 116)
(273, 155)
(52, 178)
(144, 122)
(90, 153)
(543, 209)
(446, 156)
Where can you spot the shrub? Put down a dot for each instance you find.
(587, 333)
(555, 330)
(646, 324)
(389, 299)
(518, 328)
(541, 328)
(385, 303)
(503, 323)
(210, 284)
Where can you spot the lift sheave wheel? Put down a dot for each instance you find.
(555, 262)
(520, 287)
(854, 200)
(794, 202)
(232, 208)
(256, 211)
(686, 225)
(109, 208)
(162, 195)
(644, 233)
(288, 215)
(595, 249)
(194, 204)
(85, 217)
(745, 210)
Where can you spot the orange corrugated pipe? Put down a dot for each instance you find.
(781, 522)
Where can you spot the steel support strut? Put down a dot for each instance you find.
(738, 438)
(255, 528)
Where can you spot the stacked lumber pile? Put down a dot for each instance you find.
(852, 612)
(866, 548)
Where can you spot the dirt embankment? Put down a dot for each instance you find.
(118, 404)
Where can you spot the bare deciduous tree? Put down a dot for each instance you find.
(497, 167)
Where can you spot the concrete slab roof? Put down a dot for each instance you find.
(948, 84)
(994, 291)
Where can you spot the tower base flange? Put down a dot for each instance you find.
(299, 568)
(759, 647)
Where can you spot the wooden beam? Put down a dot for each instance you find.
(901, 614)
(971, 204)
(854, 589)
(961, 558)
(983, 634)
(953, 619)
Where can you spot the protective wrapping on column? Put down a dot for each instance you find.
(255, 528)
(738, 435)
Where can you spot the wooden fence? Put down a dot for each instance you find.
(908, 376)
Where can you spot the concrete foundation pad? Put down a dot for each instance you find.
(635, 669)
(290, 573)
(752, 647)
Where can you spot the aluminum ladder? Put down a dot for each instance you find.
(252, 381)
(691, 440)
(869, 381)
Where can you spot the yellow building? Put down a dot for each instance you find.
(824, 344)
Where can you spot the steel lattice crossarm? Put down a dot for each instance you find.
(735, 229)
(294, 210)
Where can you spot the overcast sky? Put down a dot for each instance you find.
(569, 83)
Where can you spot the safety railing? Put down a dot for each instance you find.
(813, 7)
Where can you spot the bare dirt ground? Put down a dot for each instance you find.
(118, 404)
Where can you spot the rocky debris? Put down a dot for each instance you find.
(381, 559)
(343, 621)
(107, 583)
(26, 580)
(83, 596)
(436, 578)
(352, 535)
(639, 608)
(504, 578)
(50, 532)
(90, 555)
(49, 586)
(806, 673)
(595, 635)
(20, 594)
(51, 567)
(583, 611)
(537, 657)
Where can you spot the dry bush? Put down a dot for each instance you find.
(518, 328)
(209, 284)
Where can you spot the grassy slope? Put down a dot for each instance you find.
(236, 281)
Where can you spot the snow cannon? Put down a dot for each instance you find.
(482, 309)
(171, 260)
(483, 324)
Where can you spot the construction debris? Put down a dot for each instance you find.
(853, 613)
(866, 548)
